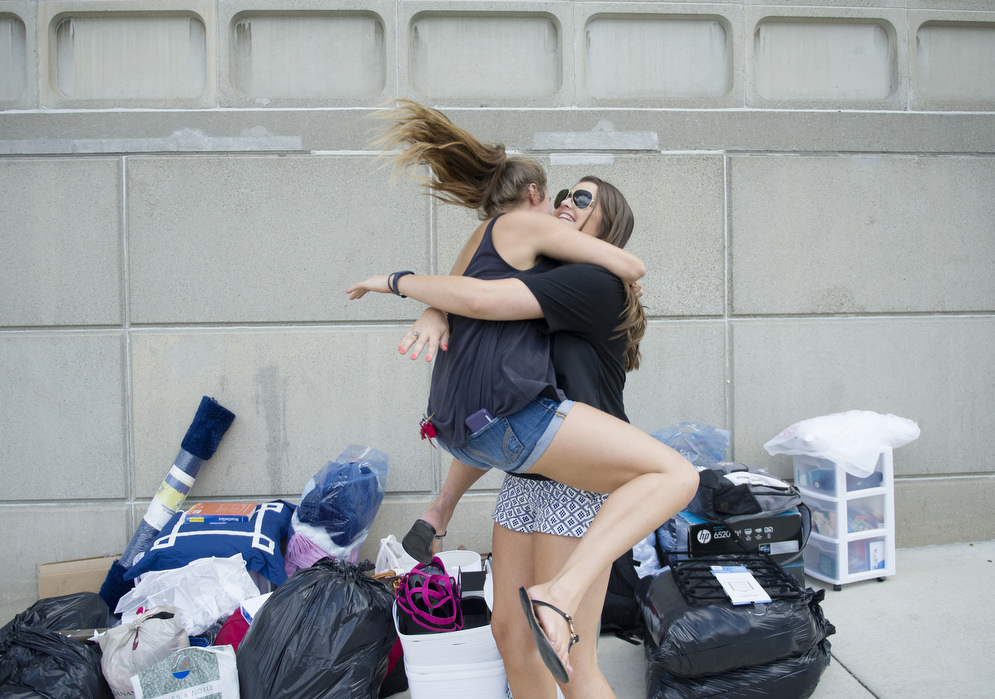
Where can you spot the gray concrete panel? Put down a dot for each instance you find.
(62, 421)
(300, 397)
(60, 242)
(843, 235)
(50, 534)
(930, 511)
(681, 377)
(939, 372)
(266, 239)
(755, 130)
(677, 203)
(18, 55)
(804, 58)
(110, 53)
(306, 53)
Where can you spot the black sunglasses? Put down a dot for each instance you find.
(582, 198)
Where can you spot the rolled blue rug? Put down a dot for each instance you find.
(203, 436)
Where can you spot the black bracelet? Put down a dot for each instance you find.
(395, 276)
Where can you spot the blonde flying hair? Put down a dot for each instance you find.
(616, 227)
(463, 170)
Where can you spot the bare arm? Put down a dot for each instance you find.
(522, 236)
(497, 299)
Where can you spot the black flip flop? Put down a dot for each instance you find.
(546, 650)
(418, 541)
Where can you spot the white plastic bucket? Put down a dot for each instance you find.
(467, 647)
(459, 559)
(479, 680)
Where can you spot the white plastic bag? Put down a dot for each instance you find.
(202, 591)
(190, 673)
(644, 553)
(392, 556)
(129, 648)
(854, 439)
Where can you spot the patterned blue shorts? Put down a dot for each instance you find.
(546, 507)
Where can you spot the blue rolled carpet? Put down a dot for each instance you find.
(199, 443)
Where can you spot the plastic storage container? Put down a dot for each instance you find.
(853, 520)
(455, 664)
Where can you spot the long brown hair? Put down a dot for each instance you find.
(616, 227)
(464, 171)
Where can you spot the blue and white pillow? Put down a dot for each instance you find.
(259, 540)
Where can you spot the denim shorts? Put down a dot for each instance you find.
(514, 443)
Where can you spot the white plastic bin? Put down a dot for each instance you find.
(453, 664)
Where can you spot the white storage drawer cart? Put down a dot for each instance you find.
(853, 520)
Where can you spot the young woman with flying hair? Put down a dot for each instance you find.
(538, 522)
(494, 402)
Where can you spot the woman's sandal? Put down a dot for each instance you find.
(546, 650)
(418, 541)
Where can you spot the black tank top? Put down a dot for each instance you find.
(498, 365)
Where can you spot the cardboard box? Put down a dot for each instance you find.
(67, 577)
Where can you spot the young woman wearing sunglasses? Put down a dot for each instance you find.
(494, 401)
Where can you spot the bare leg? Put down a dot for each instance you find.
(648, 484)
(458, 481)
(513, 568)
(550, 552)
(519, 560)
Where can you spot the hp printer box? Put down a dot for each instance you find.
(779, 535)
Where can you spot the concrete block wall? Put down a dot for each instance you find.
(187, 187)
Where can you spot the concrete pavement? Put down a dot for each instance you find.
(926, 631)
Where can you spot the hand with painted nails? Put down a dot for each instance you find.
(426, 335)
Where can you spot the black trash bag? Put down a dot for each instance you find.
(621, 614)
(692, 640)
(37, 661)
(795, 677)
(326, 633)
(80, 610)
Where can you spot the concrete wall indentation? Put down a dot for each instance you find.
(844, 61)
(129, 57)
(956, 62)
(646, 57)
(308, 55)
(13, 61)
(467, 55)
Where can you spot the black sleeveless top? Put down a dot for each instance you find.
(498, 365)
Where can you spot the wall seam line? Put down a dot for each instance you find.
(130, 476)
(727, 314)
